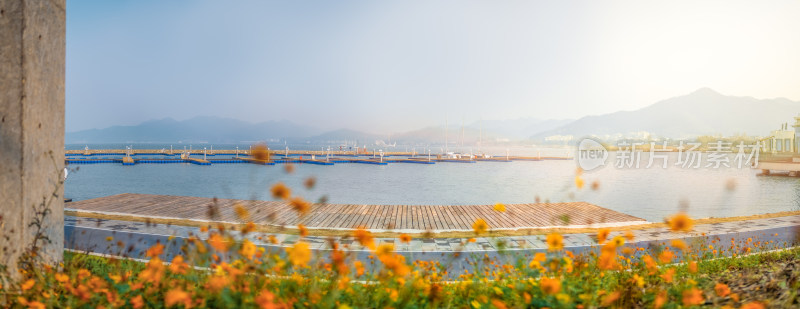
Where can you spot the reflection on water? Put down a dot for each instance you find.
(648, 193)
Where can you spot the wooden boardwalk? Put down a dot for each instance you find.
(348, 216)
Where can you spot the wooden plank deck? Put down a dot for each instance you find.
(374, 217)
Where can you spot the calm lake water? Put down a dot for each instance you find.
(651, 194)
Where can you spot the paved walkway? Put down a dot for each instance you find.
(80, 231)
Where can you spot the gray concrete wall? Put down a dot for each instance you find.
(32, 51)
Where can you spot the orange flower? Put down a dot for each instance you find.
(63, 278)
(359, 268)
(405, 238)
(178, 266)
(260, 152)
(137, 302)
(272, 239)
(500, 207)
(661, 299)
(722, 289)
(550, 286)
(364, 237)
(217, 282)
(610, 298)
(299, 254)
(666, 256)
(692, 267)
(300, 205)
(266, 300)
(218, 242)
(303, 230)
(667, 275)
(248, 249)
(480, 226)
(155, 250)
(753, 305)
(310, 182)
(693, 297)
(28, 284)
(555, 242)
(177, 296)
(680, 223)
(249, 227)
(280, 191)
(678, 244)
(241, 212)
(602, 235)
(650, 264)
(629, 236)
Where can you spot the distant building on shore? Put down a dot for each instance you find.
(784, 140)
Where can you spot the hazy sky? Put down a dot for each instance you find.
(394, 65)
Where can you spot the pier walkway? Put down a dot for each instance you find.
(399, 218)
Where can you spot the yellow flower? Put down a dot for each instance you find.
(500, 207)
(618, 241)
(579, 182)
(638, 280)
(480, 226)
(555, 242)
(300, 254)
(280, 191)
(248, 249)
(177, 296)
(680, 223)
(384, 249)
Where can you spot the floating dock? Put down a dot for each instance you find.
(418, 218)
(276, 157)
(789, 166)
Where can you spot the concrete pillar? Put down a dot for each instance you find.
(32, 49)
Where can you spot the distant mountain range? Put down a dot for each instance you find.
(226, 130)
(703, 112)
(199, 129)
